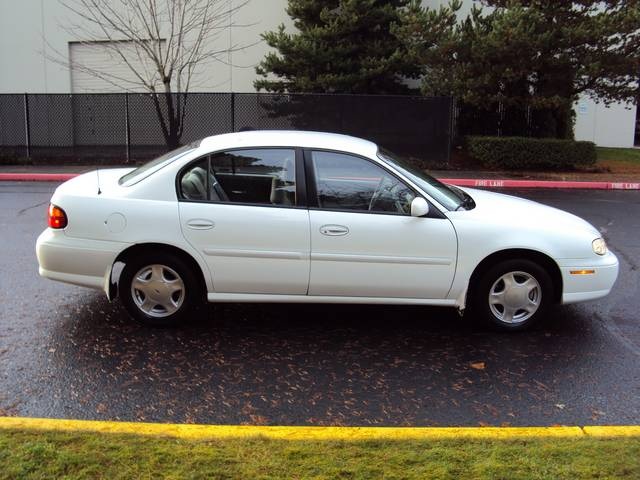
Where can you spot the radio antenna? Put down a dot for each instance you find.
(98, 176)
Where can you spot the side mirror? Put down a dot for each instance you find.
(419, 207)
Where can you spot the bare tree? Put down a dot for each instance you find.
(161, 42)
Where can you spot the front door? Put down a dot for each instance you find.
(364, 241)
(239, 209)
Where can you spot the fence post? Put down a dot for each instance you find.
(451, 127)
(27, 125)
(126, 125)
(233, 112)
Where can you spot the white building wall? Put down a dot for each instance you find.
(21, 44)
(31, 33)
(612, 126)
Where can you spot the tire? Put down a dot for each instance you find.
(513, 295)
(159, 290)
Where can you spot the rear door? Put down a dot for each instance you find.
(364, 242)
(241, 209)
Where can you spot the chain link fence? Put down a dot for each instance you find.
(124, 127)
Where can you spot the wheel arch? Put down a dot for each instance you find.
(542, 259)
(142, 248)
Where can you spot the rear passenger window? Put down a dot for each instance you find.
(262, 176)
(259, 176)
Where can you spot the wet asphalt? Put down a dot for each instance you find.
(66, 352)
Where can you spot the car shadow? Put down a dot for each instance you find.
(98, 319)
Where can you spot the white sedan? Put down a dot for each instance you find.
(280, 216)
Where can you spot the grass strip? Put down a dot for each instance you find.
(619, 160)
(626, 155)
(35, 454)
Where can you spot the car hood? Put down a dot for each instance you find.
(495, 208)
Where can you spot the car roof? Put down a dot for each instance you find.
(290, 138)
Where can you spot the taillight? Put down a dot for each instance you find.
(56, 217)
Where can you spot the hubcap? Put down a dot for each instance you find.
(515, 297)
(157, 290)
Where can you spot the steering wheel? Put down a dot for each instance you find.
(391, 188)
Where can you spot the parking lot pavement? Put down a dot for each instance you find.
(66, 352)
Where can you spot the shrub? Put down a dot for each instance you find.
(533, 153)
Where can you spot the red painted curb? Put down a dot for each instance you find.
(37, 177)
(469, 182)
(462, 182)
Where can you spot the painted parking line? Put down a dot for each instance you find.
(462, 182)
(190, 431)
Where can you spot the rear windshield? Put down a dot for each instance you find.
(156, 164)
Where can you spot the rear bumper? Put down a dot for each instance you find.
(82, 262)
(591, 286)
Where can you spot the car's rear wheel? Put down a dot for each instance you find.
(512, 295)
(158, 290)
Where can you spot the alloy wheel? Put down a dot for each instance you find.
(158, 290)
(515, 297)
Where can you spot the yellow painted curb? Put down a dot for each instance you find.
(613, 431)
(196, 432)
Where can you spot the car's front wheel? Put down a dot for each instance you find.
(158, 290)
(513, 294)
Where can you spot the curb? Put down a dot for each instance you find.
(194, 432)
(461, 182)
(37, 177)
(468, 182)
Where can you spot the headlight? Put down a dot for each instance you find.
(599, 246)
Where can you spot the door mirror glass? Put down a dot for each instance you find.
(419, 207)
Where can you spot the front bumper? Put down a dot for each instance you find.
(82, 262)
(590, 286)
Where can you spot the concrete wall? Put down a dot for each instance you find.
(612, 126)
(30, 33)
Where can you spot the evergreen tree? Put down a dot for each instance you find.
(341, 46)
(541, 54)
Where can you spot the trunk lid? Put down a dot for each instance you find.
(89, 184)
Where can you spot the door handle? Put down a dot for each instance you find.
(200, 224)
(334, 230)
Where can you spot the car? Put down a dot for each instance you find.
(292, 216)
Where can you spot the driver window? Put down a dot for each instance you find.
(345, 182)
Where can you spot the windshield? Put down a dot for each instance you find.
(449, 197)
(156, 164)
